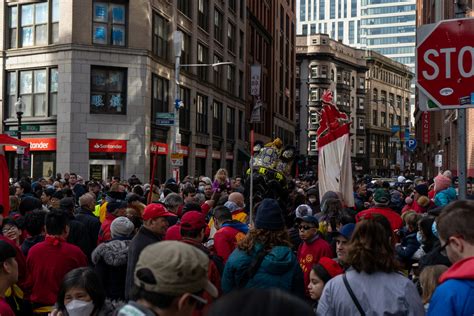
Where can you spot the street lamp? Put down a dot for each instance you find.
(19, 109)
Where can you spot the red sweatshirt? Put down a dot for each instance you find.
(47, 264)
(309, 254)
(392, 216)
(226, 238)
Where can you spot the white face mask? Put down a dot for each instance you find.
(79, 308)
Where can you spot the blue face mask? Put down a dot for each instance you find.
(434, 229)
(419, 237)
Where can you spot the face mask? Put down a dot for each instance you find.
(419, 237)
(434, 229)
(79, 308)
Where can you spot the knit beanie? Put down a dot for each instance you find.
(441, 183)
(326, 269)
(422, 189)
(121, 227)
(269, 216)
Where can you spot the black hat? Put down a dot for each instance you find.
(7, 251)
(67, 203)
(269, 216)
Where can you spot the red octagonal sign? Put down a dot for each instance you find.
(445, 62)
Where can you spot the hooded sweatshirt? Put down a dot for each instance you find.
(226, 238)
(455, 292)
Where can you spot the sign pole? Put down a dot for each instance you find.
(462, 161)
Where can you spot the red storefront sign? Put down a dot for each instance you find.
(229, 156)
(216, 154)
(184, 150)
(425, 119)
(107, 146)
(159, 148)
(37, 144)
(201, 153)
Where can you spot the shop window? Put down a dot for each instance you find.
(109, 22)
(38, 90)
(201, 114)
(108, 90)
(160, 96)
(160, 36)
(28, 24)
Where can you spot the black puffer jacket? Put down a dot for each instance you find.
(110, 260)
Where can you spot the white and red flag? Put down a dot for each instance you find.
(334, 167)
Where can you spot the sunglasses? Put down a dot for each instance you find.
(304, 227)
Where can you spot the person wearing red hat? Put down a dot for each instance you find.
(322, 272)
(193, 231)
(155, 224)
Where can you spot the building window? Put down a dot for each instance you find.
(241, 45)
(108, 90)
(353, 82)
(28, 24)
(217, 72)
(391, 119)
(37, 88)
(185, 7)
(232, 5)
(362, 83)
(217, 119)
(160, 96)
(361, 102)
(241, 84)
(202, 58)
(332, 74)
(203, 14)
(231, 37)
(201, 114)
(375, 95)
(185, 50)
(374, 117)
(185, 111)
(218, 25)
(383, 119)
(160, 36)
(361, 123)
(399, 102)
(109, 23)
(230, 79)
(313, 119)
(230, 123)
(314, 71)
(314, 94)
(361, 147)
(313, 143)
(324, 71)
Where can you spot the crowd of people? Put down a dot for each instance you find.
(75, 247)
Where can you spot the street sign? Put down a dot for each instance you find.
(177, 159)
(419, 166)
(445, 63)
(30, 128)
(438, 161)
(411, 144)
(12, 133)
(165, 115)
(164, 122)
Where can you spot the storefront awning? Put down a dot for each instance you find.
(7, 140)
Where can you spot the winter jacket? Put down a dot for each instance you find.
(110, 260)
(414, 206)
(143, 238)
(455, 292)
(309, 254)
(445, 197)
(226, 238)
(279, 269)
(407, 248)
(433, 256)
(359, 202)
(378, 293)
(77, 234)
(392, 216)
(30, 242)
(92, 227)
(104, 232)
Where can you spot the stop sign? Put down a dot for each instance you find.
(445, 62)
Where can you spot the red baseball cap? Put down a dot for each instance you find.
(193, 220)
(155, 210)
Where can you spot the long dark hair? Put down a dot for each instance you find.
(267, 238)
(370, 249)
(83, 278)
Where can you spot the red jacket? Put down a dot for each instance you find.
(104, 232)
(47, 264)
(392, 216)
(226, 238)
(309, 254)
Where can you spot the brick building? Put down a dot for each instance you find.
(95, 74)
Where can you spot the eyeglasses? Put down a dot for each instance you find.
(8, 229)
(442, 250)
(302, 227)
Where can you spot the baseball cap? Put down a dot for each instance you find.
(345, 231)
(326, 269)
(381, 196)
(7, 251)
(307, 219)
(173, 268)
(155, 210)
(193, 220)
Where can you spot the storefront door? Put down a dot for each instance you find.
(105, 169)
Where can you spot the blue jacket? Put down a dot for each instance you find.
(279, 269)
(455, 294)
(445, 197)
(408, 247)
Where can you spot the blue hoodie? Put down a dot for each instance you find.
(445, 197)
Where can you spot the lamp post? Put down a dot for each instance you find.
(20, 109)
(177, 45)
